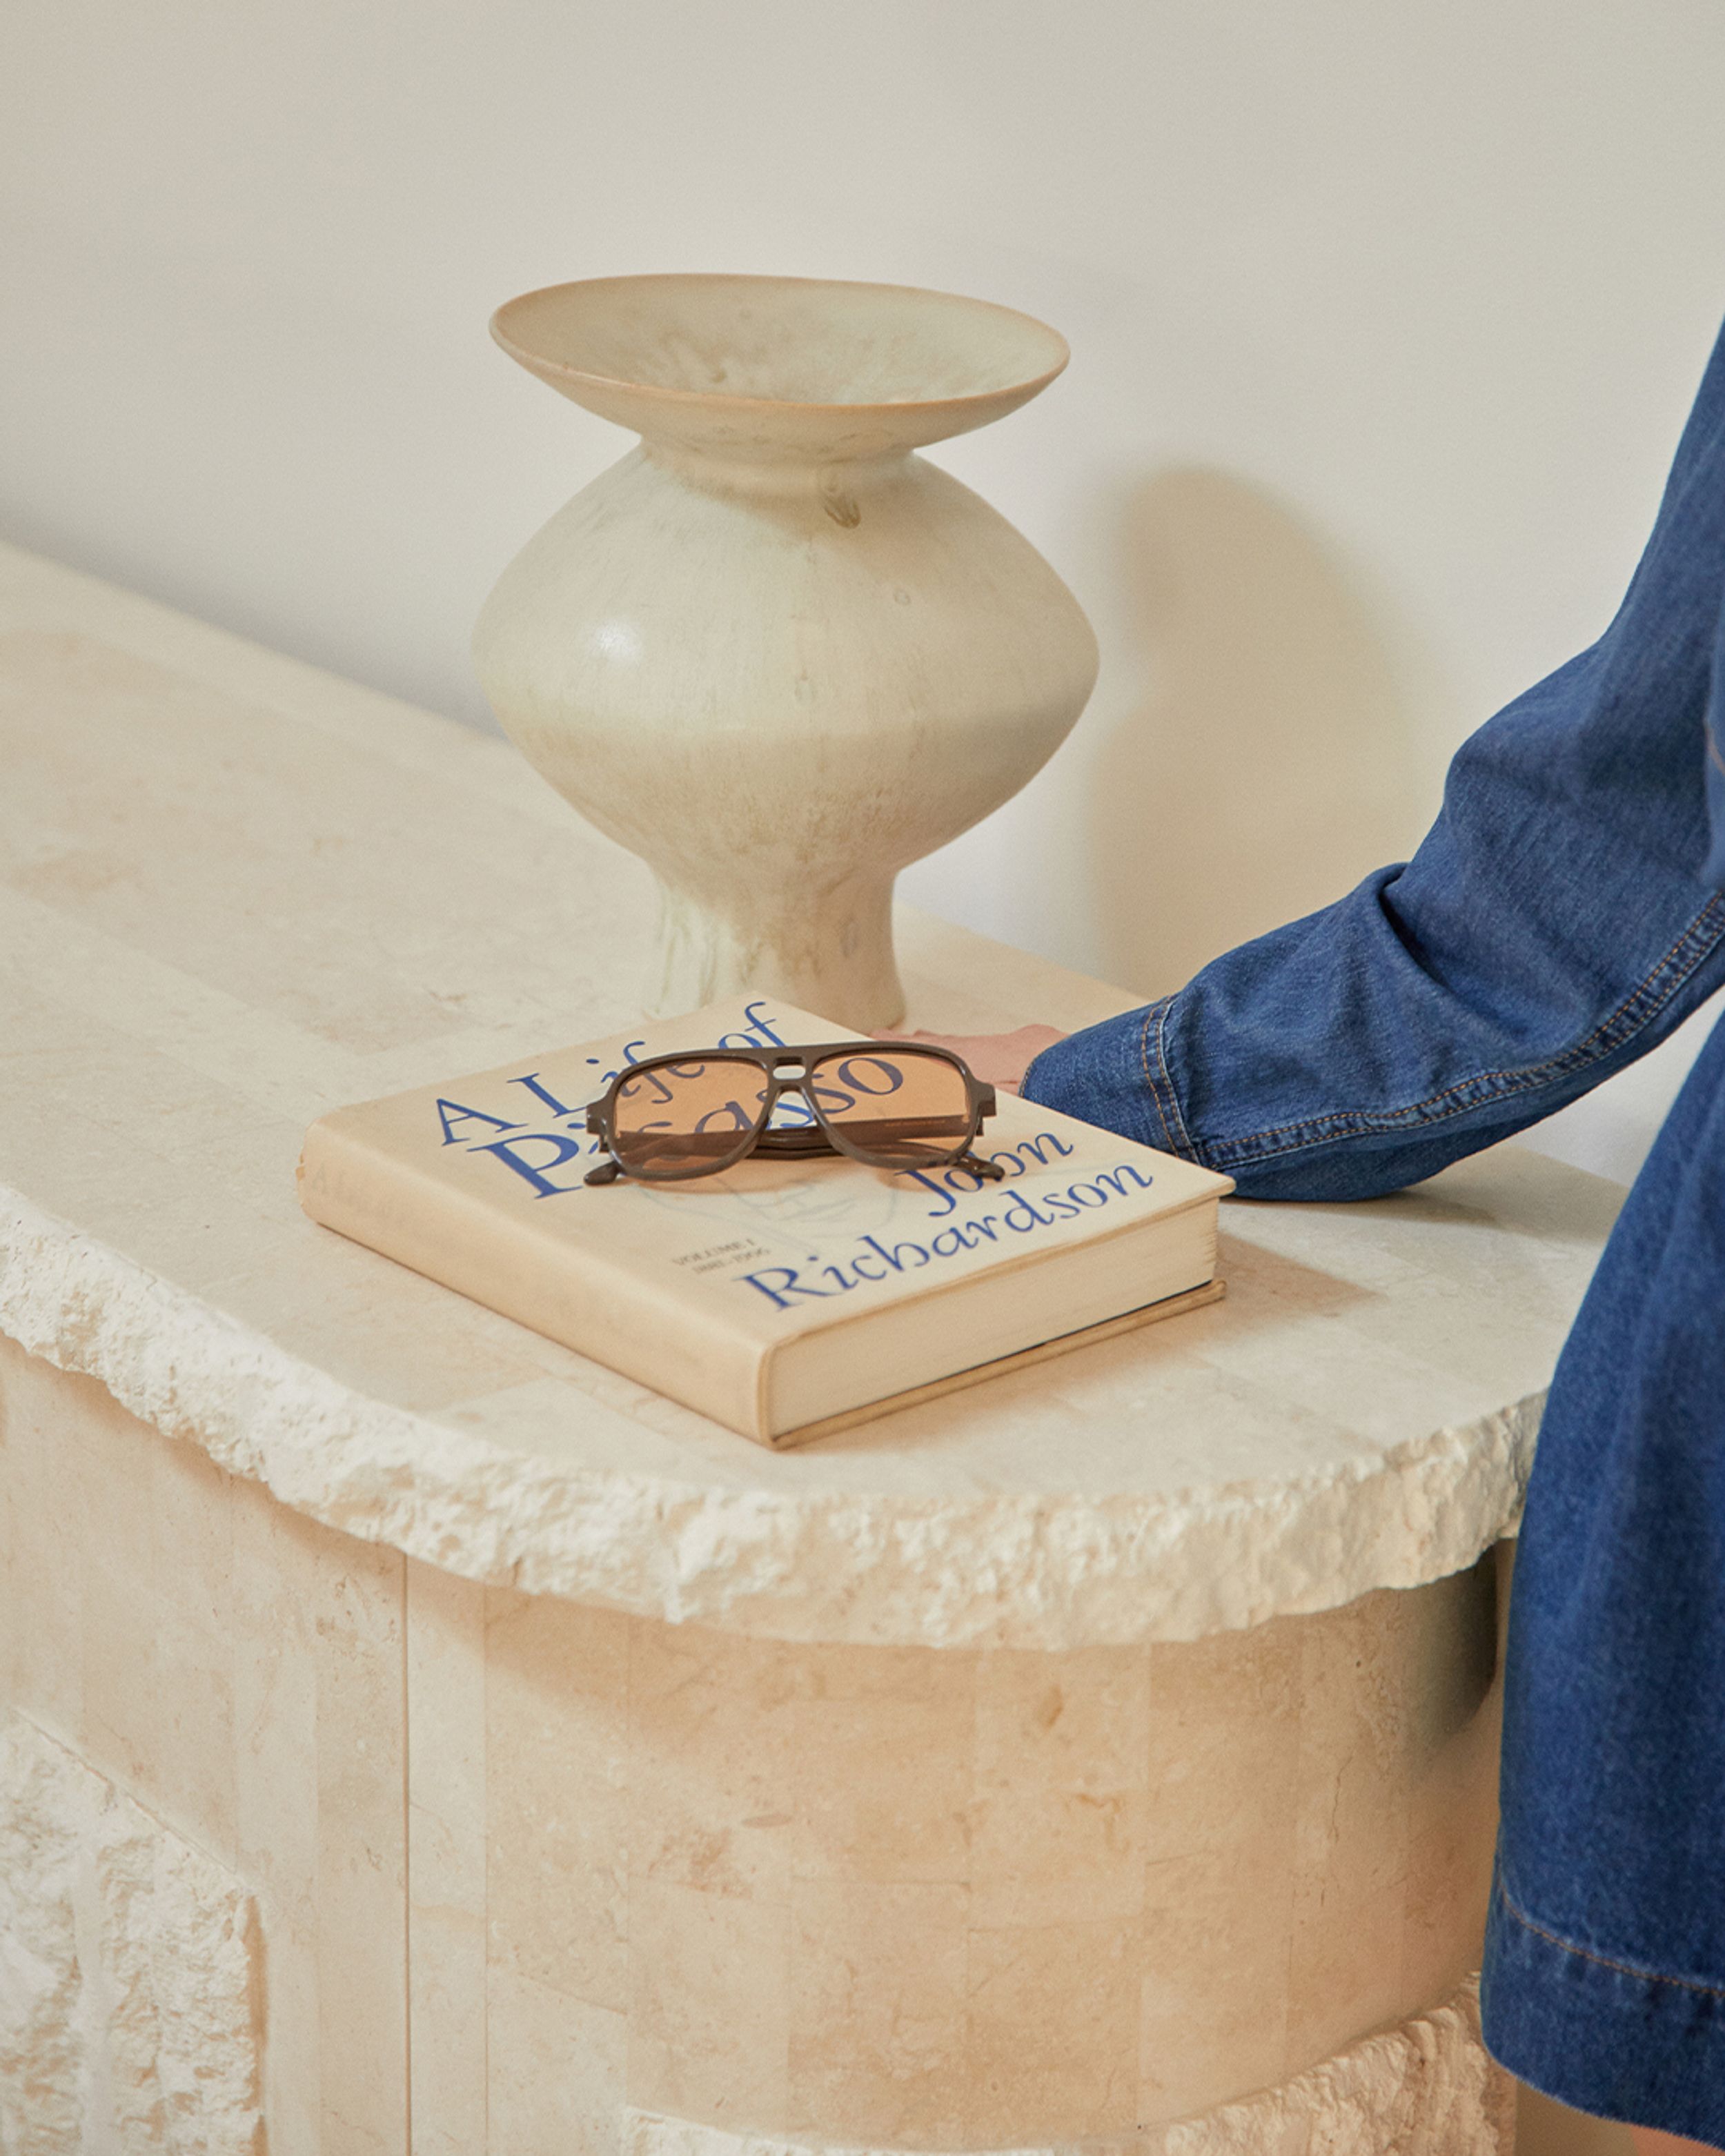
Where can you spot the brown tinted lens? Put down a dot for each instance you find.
(678, 1118)
(897, 1106)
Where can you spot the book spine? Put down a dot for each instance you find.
(601, 1310)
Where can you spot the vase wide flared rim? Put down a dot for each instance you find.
(798, 366)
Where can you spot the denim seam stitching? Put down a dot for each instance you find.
(1167, 1076)
(1713, 755)
(1604, 1961)
(1155, 1090)
(1622, 1024)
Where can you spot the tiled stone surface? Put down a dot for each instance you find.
(447, 1811)
(555, 2075)
(879, 2010)
(558, 1795)
(964, 1900)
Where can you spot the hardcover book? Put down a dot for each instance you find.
(784, 1297)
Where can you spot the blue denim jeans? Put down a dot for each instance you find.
(1564, 913)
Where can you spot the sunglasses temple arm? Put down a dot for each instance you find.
(989, 1171)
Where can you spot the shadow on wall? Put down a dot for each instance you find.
(1272, 762)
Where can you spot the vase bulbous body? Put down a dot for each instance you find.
(773, 651)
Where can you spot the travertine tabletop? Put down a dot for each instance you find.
(235, 892)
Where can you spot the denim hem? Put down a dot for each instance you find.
(1602, 2034)
(1115, 1074)
(1485, 1088)
(1152, 1056)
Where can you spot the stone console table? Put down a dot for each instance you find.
(415, 1737)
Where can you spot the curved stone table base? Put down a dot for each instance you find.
(880, 1897)
(1428, 2088)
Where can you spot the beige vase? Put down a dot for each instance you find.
(773, 651)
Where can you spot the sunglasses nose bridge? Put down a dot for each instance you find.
(788, 1076)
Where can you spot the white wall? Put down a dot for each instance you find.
(1385, 319)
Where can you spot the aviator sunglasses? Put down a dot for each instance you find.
(894, 1106)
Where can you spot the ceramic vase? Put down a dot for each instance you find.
(773, 651)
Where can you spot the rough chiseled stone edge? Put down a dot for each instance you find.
(128, 1970)
(1047, 1572)
(1427, 2088)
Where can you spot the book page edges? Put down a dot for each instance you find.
(1173, 1305)
(373, 1196)
(823, 1361)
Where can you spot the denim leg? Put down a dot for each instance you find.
(1605, 1951)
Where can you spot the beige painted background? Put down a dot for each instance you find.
(1385, 321)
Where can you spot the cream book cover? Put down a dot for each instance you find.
(781, 1297)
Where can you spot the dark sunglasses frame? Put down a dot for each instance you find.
(821, 1137)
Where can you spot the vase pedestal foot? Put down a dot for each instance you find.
(827, 951)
